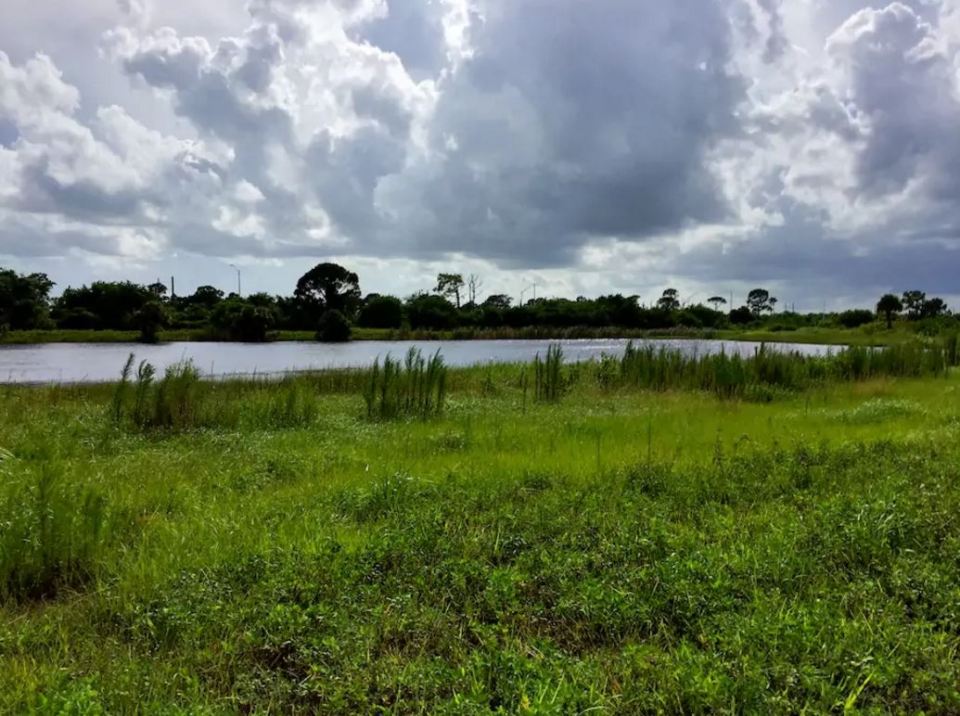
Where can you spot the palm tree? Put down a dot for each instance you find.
(889, 305)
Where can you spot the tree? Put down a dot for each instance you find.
(24, 300)
(158, 290)
(742, 316)
(717, 302)
(934, 308)
(474, 284)
(381, 312)
(498, 301)
(151, 317)
(450, 285)
(328, 287)
(670, 300)
(205, 296)
(889, 305)
(431, 312)
(104, 305)
(759, 301)
(333, 327)
(913, 304)
(856, 317)
(241, 320)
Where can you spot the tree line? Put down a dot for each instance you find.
(328, 300)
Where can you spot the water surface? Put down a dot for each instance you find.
(99, 362)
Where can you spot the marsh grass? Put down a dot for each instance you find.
(415, 388)
(767, 371)
(549, 380)
(52, 535)
(662, 540)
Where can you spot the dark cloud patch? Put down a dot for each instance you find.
(811, 260)
(575, 120)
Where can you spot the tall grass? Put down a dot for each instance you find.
(181, 400)
(733, 376)
(417, 387)
(548, 375)
(52, 535)
(175, 402)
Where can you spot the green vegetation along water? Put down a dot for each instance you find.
(632, 536)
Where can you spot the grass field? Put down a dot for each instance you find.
(607, 548)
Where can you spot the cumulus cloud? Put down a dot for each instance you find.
(709, 141)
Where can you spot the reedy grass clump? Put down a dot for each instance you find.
(174, 403)
(52, 534)
(182, 401)
(416, 388)
(548, 375)
(736, 377)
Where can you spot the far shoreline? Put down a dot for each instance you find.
(822, 336)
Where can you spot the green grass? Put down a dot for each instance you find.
(873, 335)
(870, 335)
(621, 549)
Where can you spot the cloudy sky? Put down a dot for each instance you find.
(590, 146)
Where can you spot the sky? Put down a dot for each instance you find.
(811, 147)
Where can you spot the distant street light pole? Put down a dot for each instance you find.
(239, 288)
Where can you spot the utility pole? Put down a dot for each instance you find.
(173, 289)
(239, 287)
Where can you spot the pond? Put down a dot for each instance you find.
(101, 362)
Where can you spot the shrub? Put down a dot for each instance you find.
(432, 312)
(151, 317)
(856, 318)
(742, 316)
(333, 328)
(240, 320)
(381, 312)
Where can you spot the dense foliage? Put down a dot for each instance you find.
(25, 304)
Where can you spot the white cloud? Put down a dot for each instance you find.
(600, 145)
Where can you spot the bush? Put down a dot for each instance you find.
(432, 312)
(856, 318)
(150, 319)
(333, 328)
(741, 316)
(382, 312)
(240, 320)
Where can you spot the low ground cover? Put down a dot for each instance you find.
(608, 541)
